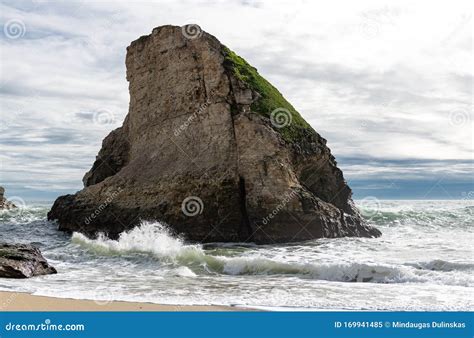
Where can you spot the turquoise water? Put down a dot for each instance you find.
(423, 261)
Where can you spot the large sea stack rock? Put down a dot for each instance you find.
(212, 149)
(22, 261)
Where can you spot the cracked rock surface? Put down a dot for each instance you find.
(197, 129)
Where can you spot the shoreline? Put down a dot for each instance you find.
(20, 301)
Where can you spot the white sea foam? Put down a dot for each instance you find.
(441, 265)
(155, 239)
(423, 261)
(149, 237)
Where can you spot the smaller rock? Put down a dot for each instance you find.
(22, 261)
(4, 204)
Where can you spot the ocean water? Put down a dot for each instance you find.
(423, 261)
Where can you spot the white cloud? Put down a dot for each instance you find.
(378, 79)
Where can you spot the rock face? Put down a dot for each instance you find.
(212, 149)
(4, 204)
(22, 261)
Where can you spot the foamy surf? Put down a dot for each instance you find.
(149, 237)
(422, 262)
(441, 265)
(154, 239)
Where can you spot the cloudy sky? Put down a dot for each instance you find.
(388, 83)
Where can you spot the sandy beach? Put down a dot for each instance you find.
(16, 301)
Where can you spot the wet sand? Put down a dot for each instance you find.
(16, 301)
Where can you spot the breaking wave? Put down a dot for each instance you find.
(441, 265)
(154, 240)
(460, 217)
(149, 237)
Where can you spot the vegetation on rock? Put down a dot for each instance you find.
(270, 99)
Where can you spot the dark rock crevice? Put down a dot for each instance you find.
(245, 226)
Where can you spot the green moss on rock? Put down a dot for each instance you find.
(270, 100)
